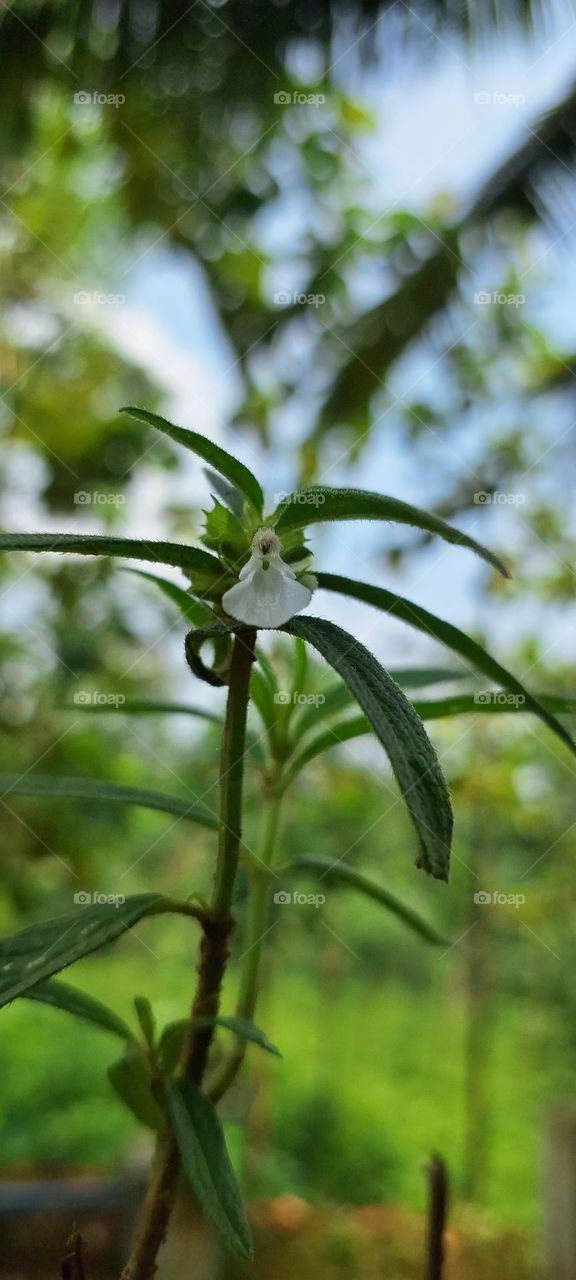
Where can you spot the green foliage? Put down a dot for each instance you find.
(130, 1080)
(202, 1146)
(196, 614)
(62, 996)
(339, 873)
(243, 1029)
(229, 467)
(318, 503)
(449, 635)
(86, 544)
(224, 533)
(400, 731)
(36, 784)
(36, 953)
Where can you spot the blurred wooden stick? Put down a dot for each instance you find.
(437, 1207)
(73, 1263)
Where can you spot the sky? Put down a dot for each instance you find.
(448, 126)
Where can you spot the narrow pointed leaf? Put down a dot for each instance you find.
(423, 677)
(202, 1146)
(429, 709)
(343, 731)
(457, 640)
(36, 784)
(317, 504)
(36, 953)
(341, 873)
(243, 1029)
(310, 715)
(130, 1080)
(400, 731)
(196, 614)
(146, 1019)
(174, 1035)
(142, 707)
(62, 996)
(228, 493)
(337, 696)
(91, 544)
(222, 461)
(490, 704)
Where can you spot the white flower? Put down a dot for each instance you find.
(268, 592)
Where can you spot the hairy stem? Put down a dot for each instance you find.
(255, 934)
(217, 926)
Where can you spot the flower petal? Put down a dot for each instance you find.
(268, 597)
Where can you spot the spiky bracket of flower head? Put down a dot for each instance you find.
(262, 572)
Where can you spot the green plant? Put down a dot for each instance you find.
(252, 572)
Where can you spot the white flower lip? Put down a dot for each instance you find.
(267, 593)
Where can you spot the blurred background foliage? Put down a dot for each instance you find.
(390, 1049)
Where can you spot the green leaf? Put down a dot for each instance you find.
(141, 707)
(171, 1044)
(213, 454)
(130, 1079)
(243, 1029)
(90, 544)
(337, 696)
(62, 996)
(263, 700)
(146, 1018)
(341, 873)
(207, 1164)
(36, 953)
(422, 677)
(317, 503)
(226, 534)
(467, 704)
(197, 614)
(400, 731)
(231, 497)
(310, 715)
(337, 733)
(464, 704)
(456, 640)
(173, 1037)
(36, 784)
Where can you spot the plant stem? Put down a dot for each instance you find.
(217, 926)
(255, 934)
